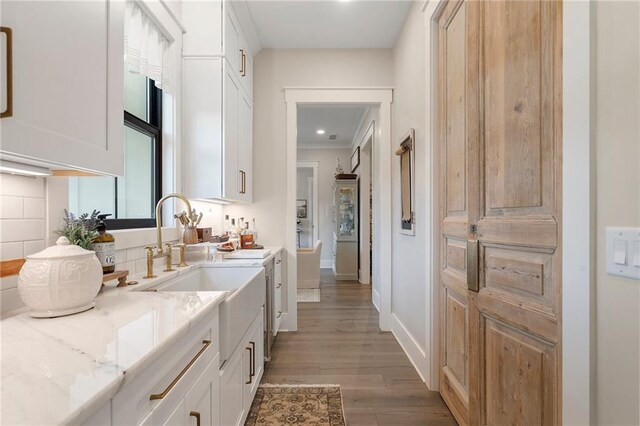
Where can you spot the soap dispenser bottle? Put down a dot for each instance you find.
(105, 246)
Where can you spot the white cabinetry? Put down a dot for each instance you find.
(217, 105)
(277, 309)
(184, 383)
(67, 84)
(241, 375)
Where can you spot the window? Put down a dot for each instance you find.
(130, 199)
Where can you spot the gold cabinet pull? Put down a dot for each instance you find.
(244, 64)
(250, 362)
(8, 112)
(472, 266)
(196, 415)
(252, 367)
(164, 393)
(244, 182)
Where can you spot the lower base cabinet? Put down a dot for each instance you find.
(240, 376)
(188, 386)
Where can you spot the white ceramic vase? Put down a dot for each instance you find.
(60, 280)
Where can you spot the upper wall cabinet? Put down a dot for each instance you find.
(217, 112)
(64, 96)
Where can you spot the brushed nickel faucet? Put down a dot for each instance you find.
(164, 251)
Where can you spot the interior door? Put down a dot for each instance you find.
(455, 210)
(501, 122)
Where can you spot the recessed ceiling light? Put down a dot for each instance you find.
(320, 132)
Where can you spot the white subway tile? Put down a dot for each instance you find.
(11, 207)
(135, 253)
(31, 247)
(141, 266)
(11, 251)
(10, 300)
(127, 266)
(21, 230)
(22, 186)
(9, 282)
(121, 256)
(34, 208)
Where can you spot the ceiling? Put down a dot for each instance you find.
(313, 24)
(340, 120)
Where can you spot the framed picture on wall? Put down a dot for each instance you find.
(355, 159)
(407, 182)
(301, 209)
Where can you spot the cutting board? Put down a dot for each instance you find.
(248, 254)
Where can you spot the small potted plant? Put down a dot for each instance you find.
(80, 230)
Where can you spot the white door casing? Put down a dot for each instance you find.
(376, 96)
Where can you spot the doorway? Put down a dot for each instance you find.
(307, 204)
(366, 210)
(381, 166)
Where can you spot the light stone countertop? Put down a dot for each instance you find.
(62, 370)
(221, 262)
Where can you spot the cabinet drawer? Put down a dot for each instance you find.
(156, 391)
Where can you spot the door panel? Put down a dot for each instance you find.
(454, 357)
(518, 228)
(521, 373)
(455, 102)
(500, 129)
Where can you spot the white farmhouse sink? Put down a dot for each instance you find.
(247, 287)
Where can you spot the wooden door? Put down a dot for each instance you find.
(455, 209)
(501, 143)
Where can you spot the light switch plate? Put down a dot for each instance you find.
(623, 252)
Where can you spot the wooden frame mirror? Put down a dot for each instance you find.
(407, 183)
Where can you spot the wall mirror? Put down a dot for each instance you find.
(407, 182)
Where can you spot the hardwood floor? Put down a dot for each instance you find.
(338, 342)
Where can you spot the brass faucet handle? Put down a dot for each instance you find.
(149, 250)
(169, 258)
(182, 248)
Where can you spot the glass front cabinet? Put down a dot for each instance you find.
(345, 230)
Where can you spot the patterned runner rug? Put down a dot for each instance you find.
(297, 405)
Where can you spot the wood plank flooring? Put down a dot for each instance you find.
(338, 342)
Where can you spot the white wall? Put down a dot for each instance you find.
(275, 69)
(409, 280)
(326, 159)
(618, 204)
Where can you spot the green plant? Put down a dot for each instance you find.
(80, 230)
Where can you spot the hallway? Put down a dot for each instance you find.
(338, 342)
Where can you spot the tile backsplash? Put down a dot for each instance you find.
(31, 209)
(22, 227)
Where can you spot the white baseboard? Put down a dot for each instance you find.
(326, 264)
(375, 299)
(415, 353)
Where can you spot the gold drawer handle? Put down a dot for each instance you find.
(182, 373)
(8, 112)
(250, 366)
(196, 415)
